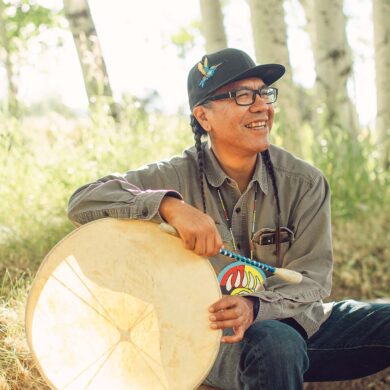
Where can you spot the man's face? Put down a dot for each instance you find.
(243, 130)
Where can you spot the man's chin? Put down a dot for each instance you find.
(264, 145)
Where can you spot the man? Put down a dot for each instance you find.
(239, 191)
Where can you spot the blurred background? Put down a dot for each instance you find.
(93, 87)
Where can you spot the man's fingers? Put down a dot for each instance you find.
(204, 245)
(231, 312)
(210, 247)
(197, 230)
(224, 315)
(238, 336)
(200, 245)
(227, 318)
(217, 243)
(227, 324)
(213, 242)
(189, 242)
(224, 303)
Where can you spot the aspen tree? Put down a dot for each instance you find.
(381, 17)
(90, 54)
(270, 37)
(212, 25)
(333, 61)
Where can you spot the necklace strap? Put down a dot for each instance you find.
(229, 224)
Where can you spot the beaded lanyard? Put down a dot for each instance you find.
(229, 225)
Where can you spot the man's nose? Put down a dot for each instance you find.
(259, 104)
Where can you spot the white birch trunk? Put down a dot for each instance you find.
(212, 25)
(90, 55)
(333, 61)
(270, 37)
(381, 18)
(12, 89)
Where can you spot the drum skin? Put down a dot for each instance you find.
(118, 304)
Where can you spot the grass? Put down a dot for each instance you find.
(362, 256)
(17, 369)
(41, 167)
(42, 161)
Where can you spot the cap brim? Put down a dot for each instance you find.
(269, 73)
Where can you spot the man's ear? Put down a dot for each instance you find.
(200, 113)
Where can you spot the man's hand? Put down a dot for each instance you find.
(232, 312)
(196, 229)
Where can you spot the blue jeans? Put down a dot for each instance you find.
(353, 342)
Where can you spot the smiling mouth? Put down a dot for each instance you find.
(257, 125)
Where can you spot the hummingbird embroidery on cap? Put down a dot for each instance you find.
(206, 71)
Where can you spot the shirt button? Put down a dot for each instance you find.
(144, 212)
(238, 209)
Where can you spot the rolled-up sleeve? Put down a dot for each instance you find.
(310, 254)
(134, 195)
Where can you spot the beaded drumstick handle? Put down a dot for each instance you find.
(283, 273)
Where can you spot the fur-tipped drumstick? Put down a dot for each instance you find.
(287, 275)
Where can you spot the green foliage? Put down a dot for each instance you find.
(41, 167)
(350, 163)
(21, 22)
(25, 19)
(353, 170)
(184, 39)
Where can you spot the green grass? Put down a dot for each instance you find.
(17, 369)
(40, 168)
(362, 256)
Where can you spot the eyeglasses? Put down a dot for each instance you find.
(246, 96)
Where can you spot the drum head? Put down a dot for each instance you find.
(118, 304)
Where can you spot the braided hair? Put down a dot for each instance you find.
(270, 169)
(198, 132)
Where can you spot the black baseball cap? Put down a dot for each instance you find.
(222, 67)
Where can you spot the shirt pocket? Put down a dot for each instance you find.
(265, 247)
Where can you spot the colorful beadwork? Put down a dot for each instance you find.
(244, 259)
(239, 278)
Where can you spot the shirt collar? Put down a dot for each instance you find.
(216, 176)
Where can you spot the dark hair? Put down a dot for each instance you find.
(270, 169)
(198, 132)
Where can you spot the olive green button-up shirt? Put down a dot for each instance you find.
(305, 214)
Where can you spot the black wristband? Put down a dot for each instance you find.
(256, 307)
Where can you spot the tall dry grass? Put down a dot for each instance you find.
(17, 369)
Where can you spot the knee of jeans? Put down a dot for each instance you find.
(277, 338)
